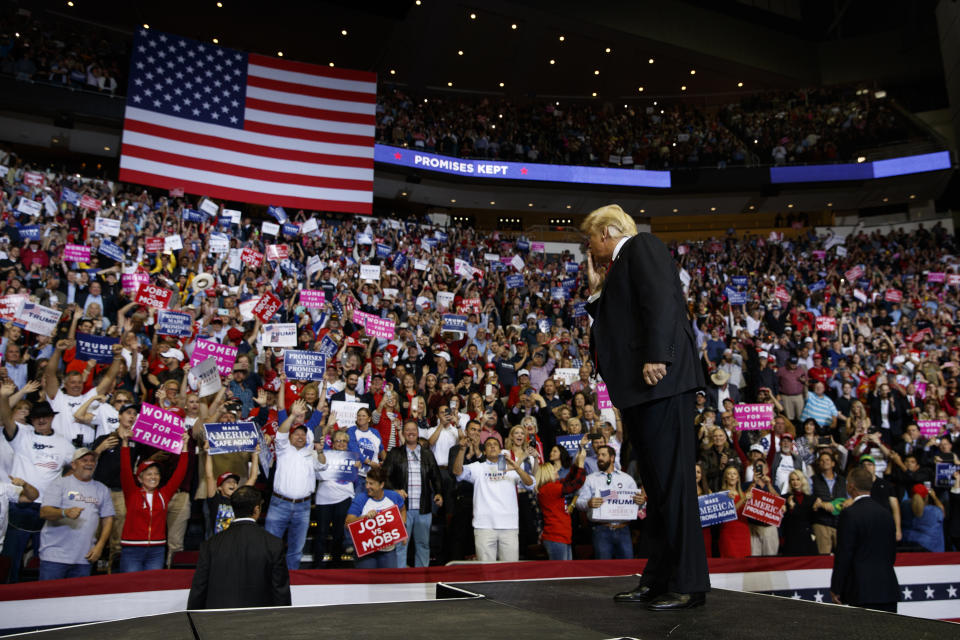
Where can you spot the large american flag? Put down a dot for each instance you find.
(245, 127)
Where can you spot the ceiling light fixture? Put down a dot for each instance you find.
(216, 41)
(146, 26)
(343, 32)
(501, 84)
(552, 61)
(594, 94)
(280, 54)
(562, 38)
(607, 50)
(596, 72)
(693, 72)
(739, 84)
(331, 64)
(473, 16)
(393, 72)
(650, 61)
(640, 89)
(683, 87)
(449, 84)
(513, 26)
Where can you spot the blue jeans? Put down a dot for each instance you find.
(57, 570)
(24, 525)
(612, 543)
(136, 558)
(294, 520)
(418, 528)
(378, 560)
(558, 550)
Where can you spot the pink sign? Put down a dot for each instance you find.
(825, 323)
(158, 428)
(921, 389)
(753, 417)
(224, 354)
(76, 253)
(819, 254)
(312, 298)
(538, 246)
(936, 276)
(931, 428)
(9, 305)
(603, 397)
(380, 327)
(132, 281)
(953, 279)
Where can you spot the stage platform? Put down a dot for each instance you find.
(578, 609)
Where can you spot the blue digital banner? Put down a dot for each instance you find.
(29, 232)
(98, 348)
(289, 229)
(174, 323)
(342, 465)
(570, 443)
(453, 322)
(528, 171)
(328, 347)
(69, 195)
(278, 213)
(231, 437)
(110, 250)
(304, 365)
(192, 215)
(945, 471)
(716, 508)
(514, 281)
(579, 309)
(922, 163)
(739, 281)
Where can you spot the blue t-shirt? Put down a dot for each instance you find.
(363, 503)
(927, 530)
(367, 443)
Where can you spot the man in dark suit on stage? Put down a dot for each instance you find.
(243, 566)
(863, 574)
(644, 347)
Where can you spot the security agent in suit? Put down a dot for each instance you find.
(863, 574)
(243, 566)
(644, 347)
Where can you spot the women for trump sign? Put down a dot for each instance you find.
(158, 428)
(753, 417)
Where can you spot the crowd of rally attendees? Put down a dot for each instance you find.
(443, 408)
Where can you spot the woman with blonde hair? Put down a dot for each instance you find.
(797, 525)
(734, 536)
(518, 448)
(552, 495)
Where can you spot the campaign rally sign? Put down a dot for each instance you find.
(154, 245)
(174, 323)
(739, 281)
(10, 305)
(69, 195)
(826, 323)
(445, 299)
(953, 279)
(420, 264)
(753, 417)
(734, 296)
(853, 273)
(110, 250)
(931, 428)
(76, 253)
(567, 375)
(312, 298)
(158, 428)
(99, 348)
(342, 465)
(231, 437)
(453, 322)
(37, 319)
(280, 335)
(544, 324)
(380, 327)
(945, 471)
(153, 296)
(107, 226)
(819, 254)
(470, 305)
(207, 376)
(278, 214)
(819, 285)
(716, 508)
(514, 281)
(132, 281)
(383, 250)
(270, 228)
(764, 507)
(782, 294)
(370, 272)
(278, 252)
(579, 310)
(617, 506)
(538, 246)
(308, 227)
(517, 263)
(570, 443)
(224, 354)
(936, 276)
(251, 257)
(346, 412)
(383, 531)
(893, 295)
(29, 232)
(558, 293)
(860, 295)
(304, 365)
(29, 207)
(88, 202)
(603, 397)
(192, 215)
(266, 306)
(33, 178)
(173, 242)
(328, 347)
(219, 243)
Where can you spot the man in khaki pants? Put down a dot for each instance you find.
(828, 486)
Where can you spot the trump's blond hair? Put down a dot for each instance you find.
(614, 219)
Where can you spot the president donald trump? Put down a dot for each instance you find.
(644, 348)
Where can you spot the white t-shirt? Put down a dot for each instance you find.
(494, 495)
(441, 449)
(8, 493)
(64, 425)
(106, 419)
(41, 459)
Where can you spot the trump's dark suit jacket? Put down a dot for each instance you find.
(866, 549)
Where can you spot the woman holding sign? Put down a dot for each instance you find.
(734, 536)
(368, 502)
(144, 538)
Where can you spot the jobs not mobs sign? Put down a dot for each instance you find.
(384, 530)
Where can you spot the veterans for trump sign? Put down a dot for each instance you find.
(379, 533)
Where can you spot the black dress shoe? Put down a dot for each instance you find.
(673, 601)
(642, 593)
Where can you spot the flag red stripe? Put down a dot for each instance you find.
(310, 112)
(316, 92)
(225, 168)
(305, 134)
(241, 195)
(312, 69)
(246, 147)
